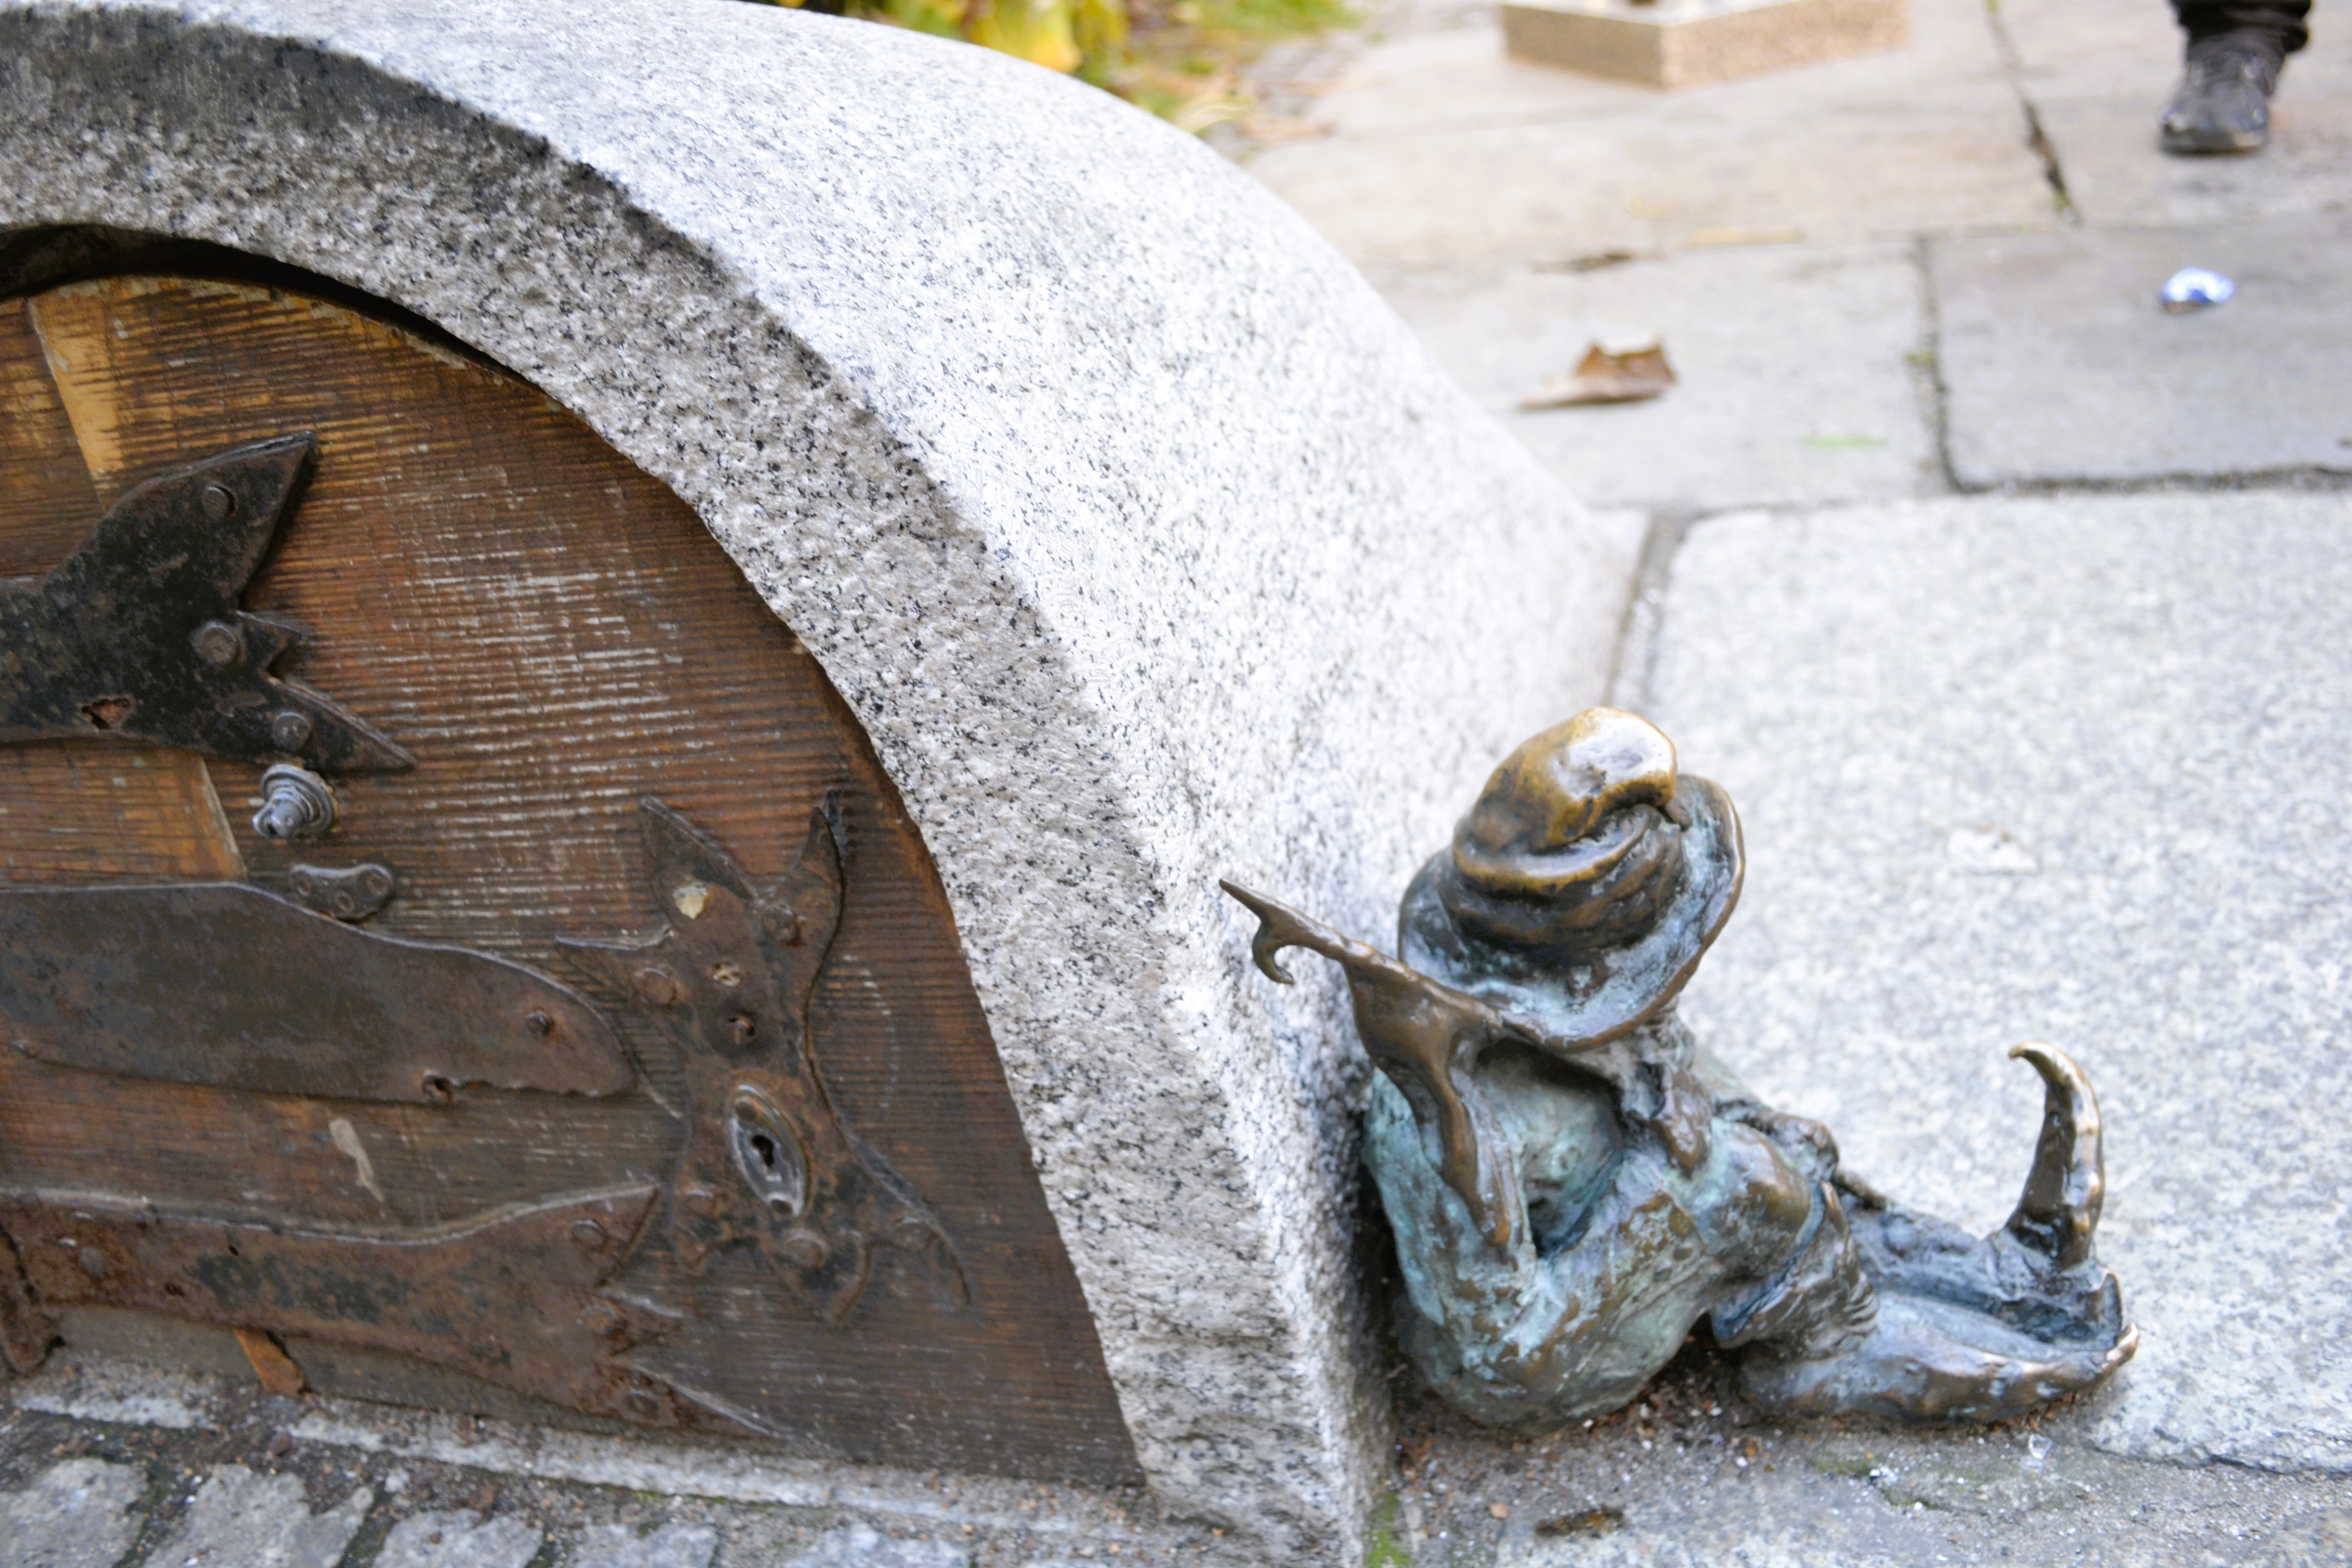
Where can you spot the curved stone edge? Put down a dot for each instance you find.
(1139, 535)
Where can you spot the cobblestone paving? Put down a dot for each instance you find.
(213, 1474)
(1689, 1478)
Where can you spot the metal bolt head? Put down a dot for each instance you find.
(587, 1236)
(218, 502)
(742, 1029)
(295, 803)
(540, 1024)
(291, 731)
(804, 1249)
(702, 1201)
(658, 986)
(218, 644)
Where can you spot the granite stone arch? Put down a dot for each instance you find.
(1141, 538)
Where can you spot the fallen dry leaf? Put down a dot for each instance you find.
(271, 1364)
(1591, 261)
(1601, 1520)
(1604, 377)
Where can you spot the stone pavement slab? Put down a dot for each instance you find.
(448, 1540)
(2147, 695)
(1690, 1478)
(240, 1518)
(1796, 380)
(82, 1513)
(671, 1545)
(2097, 71)
(1446, 154)
(860, 1545)
(2060, 364)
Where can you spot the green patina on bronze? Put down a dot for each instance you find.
(1575, 1182)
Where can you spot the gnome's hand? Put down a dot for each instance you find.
(1808, 1143)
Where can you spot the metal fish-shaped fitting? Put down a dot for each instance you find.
(233, 986)
(728, 981)
(137, 635)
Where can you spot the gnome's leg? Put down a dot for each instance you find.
(1618, 1254)
(1963, 1329)
(1819, 1303)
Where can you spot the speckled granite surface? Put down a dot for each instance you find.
(1145, 543)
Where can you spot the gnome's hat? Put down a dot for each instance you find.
(1584, 885)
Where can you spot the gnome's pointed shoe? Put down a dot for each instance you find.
(1954, 1328)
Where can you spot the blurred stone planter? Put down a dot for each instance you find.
(1687, 43)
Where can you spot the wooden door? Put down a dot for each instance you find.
(656, 1091)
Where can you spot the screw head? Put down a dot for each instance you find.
(218, 502)
(804, 1249)
(781, 923)
(291, 731)
(658, 986)
(587, 1236)
(218, 644)
(538, 1022)
(742, 1029)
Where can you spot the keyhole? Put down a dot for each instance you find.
(767, 1155)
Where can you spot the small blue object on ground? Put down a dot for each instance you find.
(2194, 288)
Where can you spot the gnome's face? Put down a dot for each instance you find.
(1573, 846)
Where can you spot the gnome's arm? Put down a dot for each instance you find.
(1427, 1038)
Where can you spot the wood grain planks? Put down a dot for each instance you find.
(46, 500)
(554, 634)
(72, 811)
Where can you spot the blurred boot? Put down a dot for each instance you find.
(2223, 104)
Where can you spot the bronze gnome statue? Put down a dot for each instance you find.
(1575, 1182)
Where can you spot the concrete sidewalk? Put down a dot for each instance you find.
(2011, 610)
(1942, 305)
